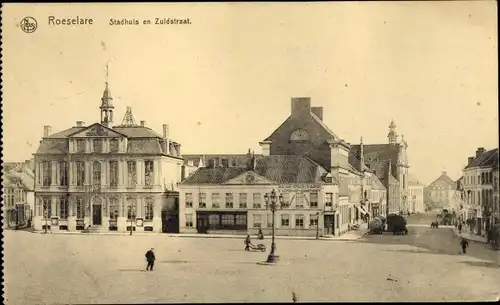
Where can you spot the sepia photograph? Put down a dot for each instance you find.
(240, 152)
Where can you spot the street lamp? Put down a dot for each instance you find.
(317, 222)
(132, 217)
(274, 202)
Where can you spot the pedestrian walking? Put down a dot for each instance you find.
(247, 243)
(464, 245)
(459, 228)
(150, 257)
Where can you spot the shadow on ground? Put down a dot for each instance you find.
(481, 264)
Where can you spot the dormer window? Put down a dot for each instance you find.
(329, 180)
(299, 135)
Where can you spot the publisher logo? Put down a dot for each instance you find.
(28, 24)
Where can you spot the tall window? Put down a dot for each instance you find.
(47, 207)
(148, 173)
(270, 220)
(63, 173)
(148, 209)
(257, 221)
(256, 200)
(243, 200)
(113, 208)
(80, 208)
(63, 207)
(313, 200)
(96, 173)
(313, 220)
(131, 208)
(285, 220)
(229, 200)
(241, 220)
(46, 173)
(227, 219)
(299, 221)
(113, 145)
(189, 200)
(97, 143)
(131, 174)
(113, 173)
(215, 200)
(80, 173)
(299, 201)
(80, 145)
(189, 220)
(329, 200)
(203, 200)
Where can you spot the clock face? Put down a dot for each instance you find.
(250, 178)
(299, 135)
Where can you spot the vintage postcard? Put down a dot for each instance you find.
(250, 152)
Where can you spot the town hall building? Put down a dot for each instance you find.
(106, 177)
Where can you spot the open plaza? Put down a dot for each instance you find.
(425, 265)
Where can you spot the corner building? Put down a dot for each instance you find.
(107, 178)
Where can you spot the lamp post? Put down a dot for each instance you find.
(273, 202)
(317, 222)
(132, 217)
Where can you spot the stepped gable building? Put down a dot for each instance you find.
(231, 198)
(107, 177)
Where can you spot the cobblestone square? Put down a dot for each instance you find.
(110, 269)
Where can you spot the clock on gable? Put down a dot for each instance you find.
(250, 178)
(299, 135)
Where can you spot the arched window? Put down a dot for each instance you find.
(96, 173)
(299, 135)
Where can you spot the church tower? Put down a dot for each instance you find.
(392, 136)
(107, 105)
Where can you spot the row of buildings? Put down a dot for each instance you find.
(18, 194)
(474, 197)
(108, 177)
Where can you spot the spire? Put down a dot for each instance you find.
(128, 119)
(106, 103)
(392, 136)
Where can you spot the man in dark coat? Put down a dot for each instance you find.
(150, 257)
(464, 245)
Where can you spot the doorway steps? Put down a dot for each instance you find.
(92, 229)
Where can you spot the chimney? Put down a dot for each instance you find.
(167, 141)
(165, 131)
(361, 156)
(479, 151)
(301, 105)
(143, 123)
(444, 173)
(80, 123)
(469, 161)
(47, 129)
(318, 111)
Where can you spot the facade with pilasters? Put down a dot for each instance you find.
(108, 178)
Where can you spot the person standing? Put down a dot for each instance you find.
(464, 245)
(247, 243)
(150, 257)
(459, 228)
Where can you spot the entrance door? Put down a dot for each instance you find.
(328, 224)
(96, 215)
(202, 222)
(170, 222)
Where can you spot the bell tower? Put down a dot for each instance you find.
(107, 104)
(392, 136)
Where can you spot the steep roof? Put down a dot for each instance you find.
(12, 178)
(444, 178)
(486, 159)
(374, 153)
(320, 122)
(239, 159)
(278, 168)
(412, 180)
(377, 184)
(137, 131)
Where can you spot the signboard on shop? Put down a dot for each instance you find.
(299, 187)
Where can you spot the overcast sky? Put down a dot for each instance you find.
(224, 82)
